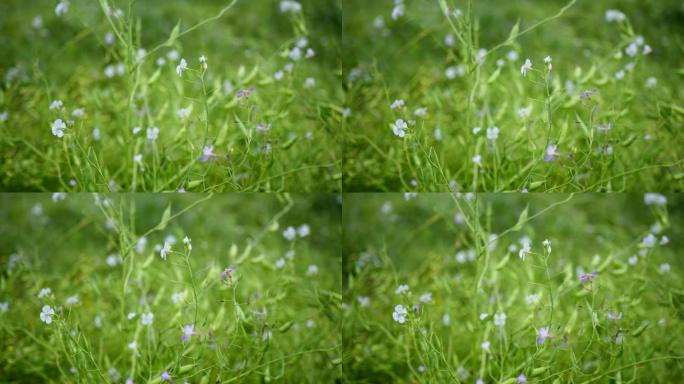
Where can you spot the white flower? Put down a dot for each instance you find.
(399, 103)
(62, 8)
(138, 159)
(58, 127)
(72, 300)
(364, 301)
(312, 270)
(279, 75)
(310, 82)
(131, 315)
(133, 346)
(152, 133)
(173, 55)
(203, 61)
(4, 307)
(183, 113)
(113, 260)
(58, 196)
(525, 248)
(524, 112)
(399, 314)
(304, 230)
(399, 128)
(181, 67)
(426, 298)
(46, 314)
(187, 242)
(290, 6)
(548, 59)
(403, 288)
(500, 319)
(96, 134)
(295, 54)
(614, 15)
(492, 133)
(655, 199)
(620, 75)
(398, 11)
(512, 56)
(483, 316)
(664, 240)
(477, 130)
(165, 250)
(477, 160)
(346, 112)
(632, 50)
(438, 134)
(280, 263)
(140, 245)
(526, 67)
(547, 244)
(178, 297)
(532, 298)
(57, 104)
(44, 292)
(485, 345)
(290, 233)
(664, 268)
(421, 112)
(649, 241)
(449, 40)
(647, 49)
(446, 319)
(651, 82)
(633, 260)
(147, 318)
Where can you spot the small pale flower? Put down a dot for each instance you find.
(290, 233)
(62, 8)
(399, 314)
(188, 243)
(397, 104)
(46, 314)
(632, 50)
(613, 15)
(203, 61)
(421, 112)
(280, 263)
(633, 260)
(526, 67)
(72, 300)
(521, 379)
(647, 49)
(403, 288)
(4, 307)
(485, 345)
(649, 241)
(312, 270)
(500, 319)
(152, 133)
(44, 292)
(483, 316)
(551, 153)
(188, 331)
(58, 127)
(477, 160)
(655, 199)
(398, 11)
(147, 318)
(664, 268)
(651, 82)
(492, 133)
(544, 333)
(364, 301)
(399, 128)
(449, 40)
(279, 75)
(165, 250)
(426, 298)
(532, 299)
(304, 230)
(547, 245)
(181, 67)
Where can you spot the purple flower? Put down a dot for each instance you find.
(228, 273)
(551, 153)
(188, 331)
(166, 377)
(613, 316)
(521, 379)
(245, 92)
(544, 334)
(207, 153)
(588, 278)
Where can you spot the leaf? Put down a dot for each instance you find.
(174, 35)
(514, 32)
(165, 219)
(521, 219)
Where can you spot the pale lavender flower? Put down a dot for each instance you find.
(521, 379)
(207, 153)
(551, 153)
(188, 331)
(613, 316)
(166, 377)
(544, 333)
(588, 278)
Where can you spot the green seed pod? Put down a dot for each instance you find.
(637, 332)
(286, 327)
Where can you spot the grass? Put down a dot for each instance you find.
(259, 323)
(408, 59)
(464, 252)
(121, 87)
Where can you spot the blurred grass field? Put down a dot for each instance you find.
(431, 61)
(91, 61)
(460, 259)
(264, 304)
